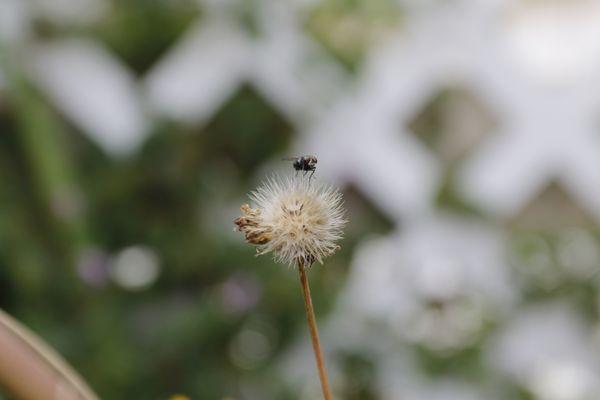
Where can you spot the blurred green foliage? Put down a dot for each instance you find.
(175, 336)
(349, 28)
(131, 31)
(62, 198)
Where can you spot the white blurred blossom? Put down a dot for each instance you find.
(436, 283)
(548, 349)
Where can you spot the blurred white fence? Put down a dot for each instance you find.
(441, 281)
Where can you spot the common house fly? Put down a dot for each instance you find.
(304, 163)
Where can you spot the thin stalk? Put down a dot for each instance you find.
(314, 333)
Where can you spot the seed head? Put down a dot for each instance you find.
(297, 220)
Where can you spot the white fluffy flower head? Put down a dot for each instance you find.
(296, 219)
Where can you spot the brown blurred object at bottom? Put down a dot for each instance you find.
(30, 370)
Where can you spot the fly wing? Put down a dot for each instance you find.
(290, 158)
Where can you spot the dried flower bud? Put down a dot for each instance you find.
(250, 224)
(297, 220)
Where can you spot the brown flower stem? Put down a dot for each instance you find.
(30, 370)
(314, 333)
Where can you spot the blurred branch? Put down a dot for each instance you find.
(43, 139)
(31, 370)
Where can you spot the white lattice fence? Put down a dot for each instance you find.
(533, 65)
